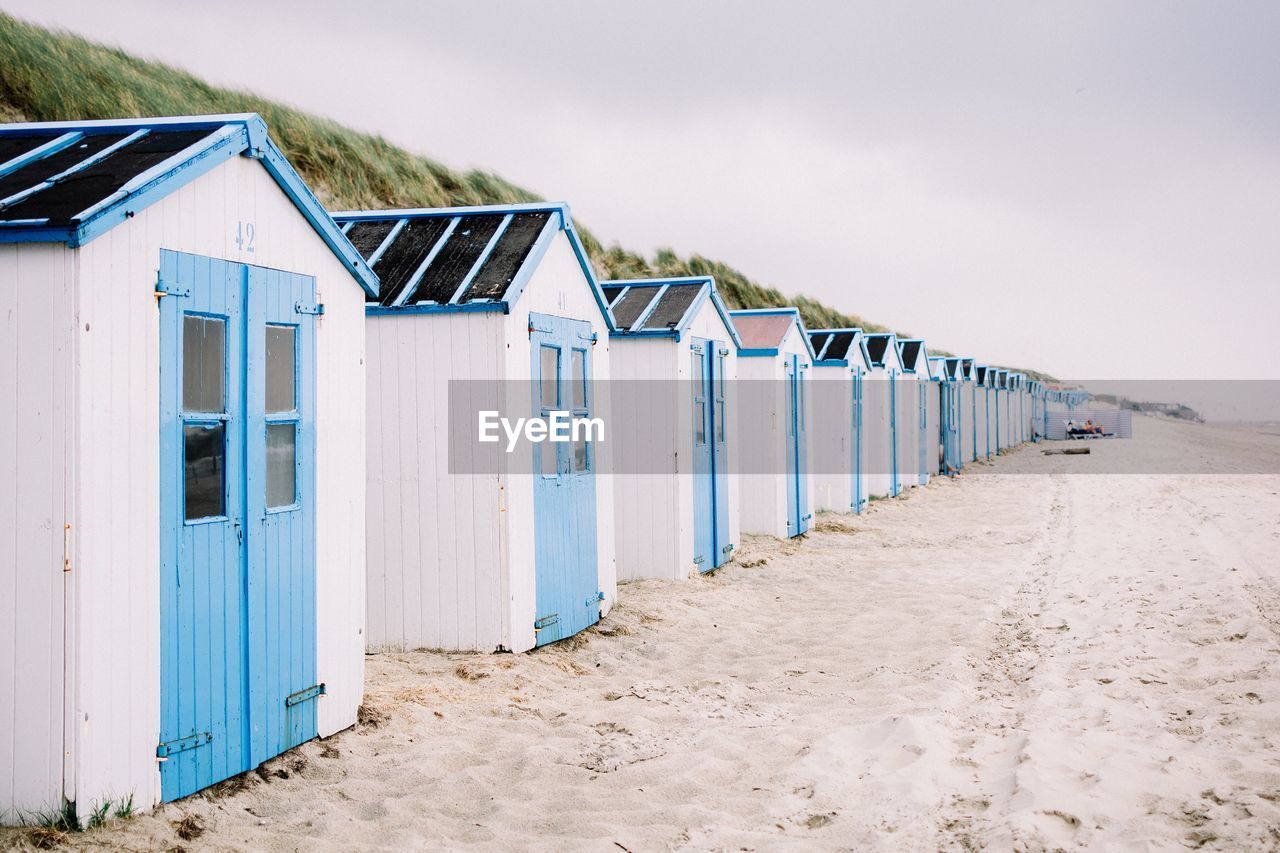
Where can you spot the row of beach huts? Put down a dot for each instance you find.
(226, 469)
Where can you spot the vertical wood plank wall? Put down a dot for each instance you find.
(36, 469)
(435, 562)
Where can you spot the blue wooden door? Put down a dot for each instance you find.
(704, 510)
(925, 444)
(564, 493)
(894, 486)
(723, 546)
(237, 608)
(855, 487)
(797, 442)
(802, 442)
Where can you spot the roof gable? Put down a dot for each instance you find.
(460, 258)
(882, 349)
(762, 331)
(839, 347)
(68, 182)
(663, 306)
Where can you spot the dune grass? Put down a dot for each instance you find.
(51, 76)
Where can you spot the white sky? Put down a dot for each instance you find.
(1091, 188)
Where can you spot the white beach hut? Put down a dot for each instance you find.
(840, 370)
(946, 375)
(917, 409)
(985, 413)
(968, 394)
(774, 364)
(674, 357)
(184, 589)
(483, 309)
(880, 415)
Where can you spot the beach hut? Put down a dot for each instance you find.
(1001, 409)
(774, 363)
(985, 411)
(968, 401)
(840, 369)
(184, 334)
(880, 415)
(484, 314)
(946, 375)
(673, 358)
(917, 409)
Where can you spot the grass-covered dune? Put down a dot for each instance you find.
(52, 76)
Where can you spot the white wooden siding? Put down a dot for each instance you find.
(36, 468)
(643, 434)
(831, 438)
(876, 435)
(115, 575)
(435, 561)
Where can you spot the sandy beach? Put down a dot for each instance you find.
(1020, 658)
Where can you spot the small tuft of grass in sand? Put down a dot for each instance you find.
(371, 716)
(190, 827)
(470, 672)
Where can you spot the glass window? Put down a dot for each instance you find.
(204, 348)
(282, 454)
(699, 421)
(581, 456)
(204, 470)
(548, 374)
(579, 373)
(720, 421)
(718, 381)
(547, 458)
(281, 372)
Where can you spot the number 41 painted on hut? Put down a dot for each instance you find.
(244, 236)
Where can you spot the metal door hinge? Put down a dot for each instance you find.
(170, 288)
(303, 695)
(599, 596)
(304, 308)
(173, 747)
(698, 559)
(546, 621)
(727, 548)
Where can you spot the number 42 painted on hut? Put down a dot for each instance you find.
(244, 236)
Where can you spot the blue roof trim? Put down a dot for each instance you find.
(753, 353)
(890, 347)
(561, 219)
(249, 137)
(437, 308)
(709, 291)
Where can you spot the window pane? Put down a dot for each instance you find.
(204, 470)
(720, 421)
(579, 379)
(547, 457)
(282, 453)
(580, 455)
(549, 374)
(204, 347)
(281, 368)
(699, 422)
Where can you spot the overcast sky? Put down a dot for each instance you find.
(1092, 189)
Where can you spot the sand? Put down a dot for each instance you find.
(1018, 658)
